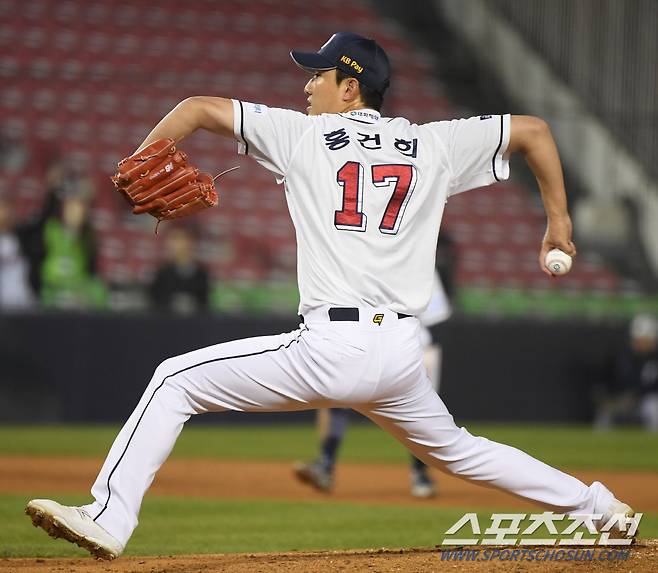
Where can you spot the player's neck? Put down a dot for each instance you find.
(353, 106)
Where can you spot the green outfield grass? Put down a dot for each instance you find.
(170, 526)
(574, 447)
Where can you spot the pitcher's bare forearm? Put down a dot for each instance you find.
(200, 112)
(532, 137)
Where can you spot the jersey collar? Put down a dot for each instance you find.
(364, 115)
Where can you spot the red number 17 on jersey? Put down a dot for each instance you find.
(350, 177)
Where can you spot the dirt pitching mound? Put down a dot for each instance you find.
(641, 558)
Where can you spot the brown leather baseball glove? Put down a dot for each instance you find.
(157, 180)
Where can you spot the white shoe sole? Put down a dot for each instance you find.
(423, 492)
(57, 527)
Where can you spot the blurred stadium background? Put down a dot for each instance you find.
(86, 311)
(84, 81)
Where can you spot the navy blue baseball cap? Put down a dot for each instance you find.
(354, 55)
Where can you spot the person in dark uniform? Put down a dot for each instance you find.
(181, 284)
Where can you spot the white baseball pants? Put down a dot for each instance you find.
(374, 368)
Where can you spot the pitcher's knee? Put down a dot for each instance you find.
(175, 390)
(165, 369)
(167, 375)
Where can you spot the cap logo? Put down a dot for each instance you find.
(352, 64)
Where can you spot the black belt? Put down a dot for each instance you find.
(348, 314)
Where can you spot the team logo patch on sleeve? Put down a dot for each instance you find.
(378, 319)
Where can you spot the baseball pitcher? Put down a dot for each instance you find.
(366, 195)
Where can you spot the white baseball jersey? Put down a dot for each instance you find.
(366, 195)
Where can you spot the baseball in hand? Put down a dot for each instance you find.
(558, 262)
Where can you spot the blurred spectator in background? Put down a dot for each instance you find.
(65, 178)
(633, 392)
(61, 244)
(33, 229)
(181, 284)
(637, 368)
(15, 290)
(68, 272)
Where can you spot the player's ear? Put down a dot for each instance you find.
(351, 89)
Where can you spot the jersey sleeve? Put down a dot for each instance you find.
(269, 135)
(476, 150)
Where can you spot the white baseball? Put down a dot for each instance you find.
(558, 262)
